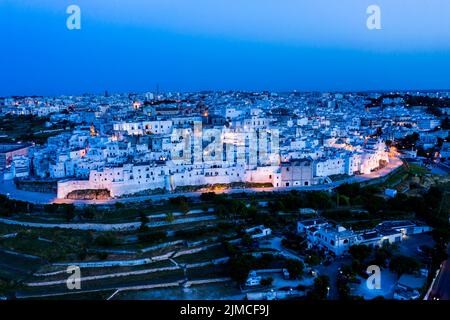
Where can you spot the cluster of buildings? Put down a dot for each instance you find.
(337, 240)
(132, 143)
(14, 160)
(34, 106)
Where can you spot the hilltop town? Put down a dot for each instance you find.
(107, 146)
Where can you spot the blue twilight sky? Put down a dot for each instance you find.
(190, 45)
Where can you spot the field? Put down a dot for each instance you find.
(27, 129)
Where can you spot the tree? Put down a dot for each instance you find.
(208, 196)
(119, 205)
(251, 212)
(6, 286)
(265, 260)
(184, 207)
(240, 266)
(295, 242)
(267, 281)
(360, 252)
(320, 288)
(343, 288)
(221, 210)
(152, 237)
(312, 259)
(403, 264)
(375, 204)
(382, 254)
(342, 200)
(82, 254)
(295, 268)
(102, 255)
(238, 208)
(319, 200)
(379, 131)
(170, 217)
(51, 208)
(144, 221)
(349, 190)
(409, 141)
(106, 240)
(230, 248)
(178, 200)
(89, 212)
(69, 211)
(247, 240)
(143, 228)
(446, 124)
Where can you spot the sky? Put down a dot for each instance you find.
(194, 45)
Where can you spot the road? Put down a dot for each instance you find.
(441, 286)
(332, 271)
(8, 188)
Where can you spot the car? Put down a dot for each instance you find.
(286, 289)
(314, 272)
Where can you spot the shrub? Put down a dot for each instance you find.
(295, 268)
(106, 240)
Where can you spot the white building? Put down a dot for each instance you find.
(338, 240)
